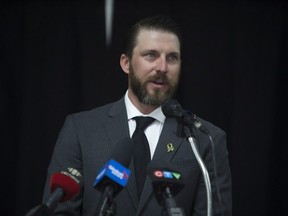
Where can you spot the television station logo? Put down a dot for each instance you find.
(166, 174)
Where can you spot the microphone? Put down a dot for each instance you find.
(64, 185)
(114, 175)
(166, 184)
(172, 108)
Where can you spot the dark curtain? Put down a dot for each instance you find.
(54, 61)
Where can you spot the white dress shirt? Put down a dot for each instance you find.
(153, 131)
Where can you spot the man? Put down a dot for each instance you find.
(152, 62)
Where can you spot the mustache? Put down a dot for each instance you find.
(159, 78)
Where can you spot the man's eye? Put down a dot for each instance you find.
(151, 55)
(172, 58)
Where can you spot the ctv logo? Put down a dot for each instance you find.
(166, 174)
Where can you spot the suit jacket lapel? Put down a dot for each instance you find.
(167, 137)
(117, 128)
(116, 125)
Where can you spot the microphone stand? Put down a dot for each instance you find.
(170, 205)
(40, 210)
(205, 174)
(108, 206)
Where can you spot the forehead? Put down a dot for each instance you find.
(157, 39)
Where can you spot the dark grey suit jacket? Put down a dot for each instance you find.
(87, 138)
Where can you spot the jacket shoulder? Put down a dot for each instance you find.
(100, 111)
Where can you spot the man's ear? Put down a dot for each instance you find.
(124, 63)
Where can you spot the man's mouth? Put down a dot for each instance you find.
(158, 82)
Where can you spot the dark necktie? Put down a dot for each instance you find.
(141, 150)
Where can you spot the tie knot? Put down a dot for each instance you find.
(143, 122)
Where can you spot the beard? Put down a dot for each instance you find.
(156, 97)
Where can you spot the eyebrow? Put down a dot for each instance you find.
(153, 50)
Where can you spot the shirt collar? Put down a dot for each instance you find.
(132, 111)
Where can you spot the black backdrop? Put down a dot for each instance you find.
(54, 61)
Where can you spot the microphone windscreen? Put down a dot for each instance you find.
(115, 172)
(122, 151)
(172, 108)
(68, 184)
(158, 164)
(162, 175)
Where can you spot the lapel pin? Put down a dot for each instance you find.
(170, 147)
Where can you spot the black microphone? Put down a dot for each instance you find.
(64, 185)
(114, 175)
(172, 108)
(166, 183)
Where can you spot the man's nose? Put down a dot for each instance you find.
(161, 65)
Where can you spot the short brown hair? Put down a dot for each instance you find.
(158, 22)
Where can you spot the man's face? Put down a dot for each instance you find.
(154, 69)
